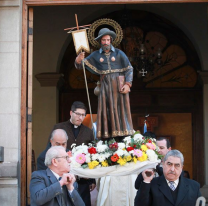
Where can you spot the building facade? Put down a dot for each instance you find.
(48, 45)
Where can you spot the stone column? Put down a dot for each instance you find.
(204, 77)
(10, 97)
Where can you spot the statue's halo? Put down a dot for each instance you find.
(106, 21)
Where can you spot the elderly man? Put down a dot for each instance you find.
(165, 147)
(171, 188)
(116, 75)
(78, 134)
(55, 185)
(58, 138)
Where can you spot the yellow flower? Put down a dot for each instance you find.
(143, 157)
(135, 159)
(93, 164)
(121, 161)
(104, 163)
(144, 148)
(128, 158)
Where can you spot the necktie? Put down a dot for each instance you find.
(172, 186)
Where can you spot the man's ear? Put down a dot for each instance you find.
(70, 113)
(169, 148)
(54, 162)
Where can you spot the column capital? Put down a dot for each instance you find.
(49, 79)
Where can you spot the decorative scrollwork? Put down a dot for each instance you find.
(106, 21)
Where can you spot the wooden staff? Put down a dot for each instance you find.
(88, 98)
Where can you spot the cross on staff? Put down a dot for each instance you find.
(81, 43)
(77, 27)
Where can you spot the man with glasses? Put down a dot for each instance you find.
(55, 185)
(76, 131)
(78, 134)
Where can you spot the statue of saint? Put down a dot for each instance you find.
(116, 75)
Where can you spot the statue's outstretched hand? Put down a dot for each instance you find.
(125, 89)
(80, 57)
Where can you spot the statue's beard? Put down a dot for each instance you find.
(105, 47)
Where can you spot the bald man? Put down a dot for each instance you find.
(58, 138)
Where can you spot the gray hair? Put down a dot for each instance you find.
(53, 152)
(62, 131)
(174, 153)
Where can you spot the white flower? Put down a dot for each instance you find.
(81, 149)
(74, 150)
(128, 138)
(101, 157)
(101, 148)
(74, 163)
(107, 154)
(94, 156)
(126, 153)
(157, 148)
(121, 145)
(151, 155)
(138, 137)
(100, 143)
(119, 152)
(88, 159)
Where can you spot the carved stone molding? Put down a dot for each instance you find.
(204, 76)
(49, 79)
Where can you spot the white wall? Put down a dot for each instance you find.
(10, 95)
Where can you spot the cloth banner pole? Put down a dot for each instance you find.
(88, 95)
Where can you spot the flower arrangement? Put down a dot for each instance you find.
(105, 154)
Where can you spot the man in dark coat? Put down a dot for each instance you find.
(58, 138)
(55, 185)
(165, 147)
(78, 134)
(170, 189)
(116, 75)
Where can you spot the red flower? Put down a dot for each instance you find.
(129, 149)
(134, 146)
(92, 150)
(113, 146)
(149, 141)
(114, 158)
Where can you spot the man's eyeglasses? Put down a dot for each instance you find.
(79, 115)
(65, 157)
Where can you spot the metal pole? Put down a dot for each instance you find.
(87, 94)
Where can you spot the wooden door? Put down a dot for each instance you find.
(29, 100)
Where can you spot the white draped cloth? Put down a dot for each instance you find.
(117, 191)
(117, 182)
